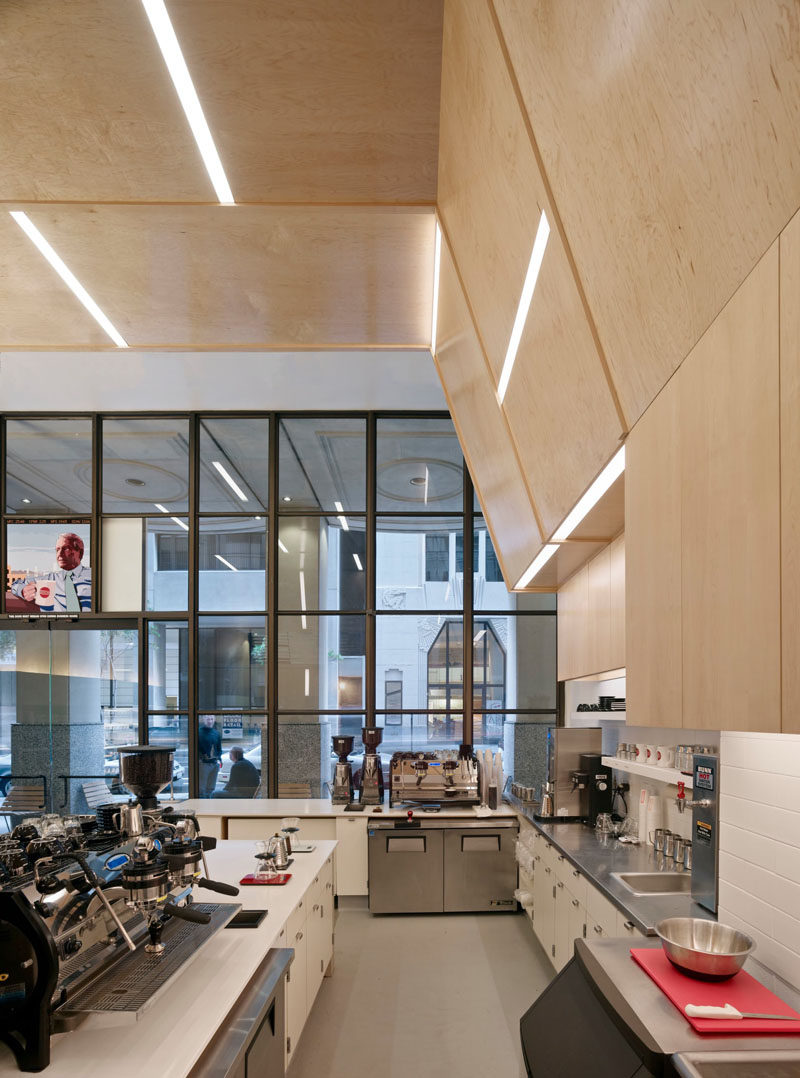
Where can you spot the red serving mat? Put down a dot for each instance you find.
(743, 991)
(268, 881)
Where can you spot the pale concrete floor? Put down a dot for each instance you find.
(423, 996)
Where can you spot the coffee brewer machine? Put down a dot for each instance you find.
(567, 780)
(342, 793)
(370, 784)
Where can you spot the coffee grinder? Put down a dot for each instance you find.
(146, 770)
(371, 782)
(342, 793)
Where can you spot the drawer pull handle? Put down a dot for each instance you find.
(560, 885)
(598, 929)
(575, 903)
(561, 857)
(537, 857)
(328, 886)
(547, 870)
(629, 925)
(299, 936)
(315, 907)
(575, 873)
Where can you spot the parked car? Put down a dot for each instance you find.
(5, 771)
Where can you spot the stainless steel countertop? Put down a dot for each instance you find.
(598, 856)
(651, 1015)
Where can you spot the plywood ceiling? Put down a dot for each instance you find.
(325, 115)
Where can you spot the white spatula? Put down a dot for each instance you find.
(729, 1011)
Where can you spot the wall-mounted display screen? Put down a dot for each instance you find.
(49, 570)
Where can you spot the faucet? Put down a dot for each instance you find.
(683, 803)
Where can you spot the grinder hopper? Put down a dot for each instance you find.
(146, 770)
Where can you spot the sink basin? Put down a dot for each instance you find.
(655, 883)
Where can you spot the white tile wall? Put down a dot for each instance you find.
(759, 855)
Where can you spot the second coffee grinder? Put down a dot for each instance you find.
(342, 793)
(370, 783)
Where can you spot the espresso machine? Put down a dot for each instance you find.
(370, 784)
(599, 786)
(342, 793)
(434, 777)
(96, 923)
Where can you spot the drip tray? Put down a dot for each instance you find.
(122, 993)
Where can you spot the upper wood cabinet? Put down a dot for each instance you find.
(560, 409)
(790, 473)
(703, 529)
(654, 689)
(591, 615)
(483, 432)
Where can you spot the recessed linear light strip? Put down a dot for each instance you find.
(303, 622)
(614, 468)
(67, 276)
(182, 80)
(342, 517)
(541, 559)
(357, 560)
(230, 481)
(224, 561)
(531, 277)
(437, 263)
(611, 472)
(163, 509)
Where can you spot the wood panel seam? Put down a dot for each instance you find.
(557, 221)
(482, 346)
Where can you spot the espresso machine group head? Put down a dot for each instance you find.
(342, 772)
(370, 784)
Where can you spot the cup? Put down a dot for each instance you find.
(677, 849)
(665, 756)
(669, 844)
(45, 592)
(657, 838)
(603, 824)
(650, 757)
(641, 752)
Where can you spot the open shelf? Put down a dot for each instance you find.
(657, 774)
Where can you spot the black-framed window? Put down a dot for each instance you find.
(284, 571)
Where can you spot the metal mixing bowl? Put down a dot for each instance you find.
(704, 949)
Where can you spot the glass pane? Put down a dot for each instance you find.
(232, 562)
(241, 743)
(424, 653)
(68, 699)
(416, 563)
(321, 662)
(167, 665)
(167, 561)
(514, 661)
(49, 466)
(321, 564)
(418, 732)
(145, 465)
(305, 752)
(172, 730)
(323, 463)
(490, 591)
(232, 671)
(234, 465)
(419, 466)
(42, 561)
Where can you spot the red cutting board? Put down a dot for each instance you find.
(743, 991)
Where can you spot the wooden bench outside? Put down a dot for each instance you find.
(293, 789)
(23, 801)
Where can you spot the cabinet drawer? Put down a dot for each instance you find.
(601, 911)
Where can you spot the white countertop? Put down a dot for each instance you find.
(243, 808)
(167, 1041)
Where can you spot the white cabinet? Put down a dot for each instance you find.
(309, 931)
(544, 898)
(351, 855)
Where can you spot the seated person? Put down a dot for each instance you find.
(244, 778)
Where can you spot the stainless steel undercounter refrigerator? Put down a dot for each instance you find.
(603, 1016)
(442, 865)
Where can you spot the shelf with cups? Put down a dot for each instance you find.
(649, 771)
